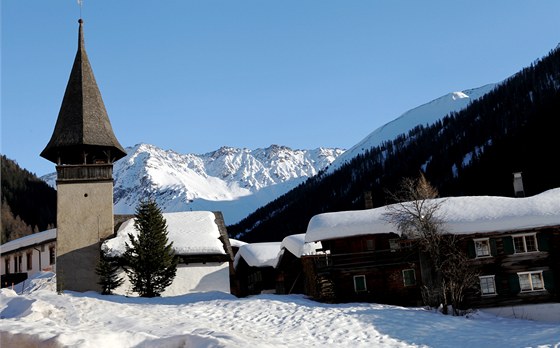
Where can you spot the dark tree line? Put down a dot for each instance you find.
(28, 203)
(472, 152)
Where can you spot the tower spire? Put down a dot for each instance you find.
(81, 34)
(83, 132)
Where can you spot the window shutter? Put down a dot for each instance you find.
(493, 248)
(498, 283)
(513, 280)
(508, 245)
(471, 253)
(542, 240)
(548, 280)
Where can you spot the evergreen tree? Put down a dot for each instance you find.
(149, 260)
(107, 270)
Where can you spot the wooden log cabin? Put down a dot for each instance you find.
(513, 244)
(375, 267)
(254, 268)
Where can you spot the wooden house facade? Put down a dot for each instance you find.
(376, 267)
(514, 267)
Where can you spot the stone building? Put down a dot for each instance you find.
(84, 148)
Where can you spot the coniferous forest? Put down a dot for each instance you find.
(473, 152)
(28, 203)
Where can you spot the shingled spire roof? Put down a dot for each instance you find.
(83, 132)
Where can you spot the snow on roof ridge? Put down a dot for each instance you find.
(258, 254)
(192, 233)
(461, 215)
(28, 240)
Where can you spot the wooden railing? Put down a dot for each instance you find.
(84, 172)
(364, 259)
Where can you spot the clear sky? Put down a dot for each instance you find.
(193, 76)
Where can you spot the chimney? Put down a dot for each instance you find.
(518, 185)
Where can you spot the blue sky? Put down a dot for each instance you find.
(193, 76)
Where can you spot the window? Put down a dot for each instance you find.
(29, 257)
(52, 255)
(370, 244)
(396, 244)
(482, 247)
(20, 263)
(409, 277)
(360, 283)
(531, 281)
(525, 243)
(7, 265)
(487, 285)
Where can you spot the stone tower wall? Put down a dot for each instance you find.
(84, 219)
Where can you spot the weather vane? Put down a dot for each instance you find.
(80, 3)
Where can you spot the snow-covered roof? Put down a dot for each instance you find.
(297, 246)
(258, 254)
(192, 233)
(461, 215)
(235, 243)
(32, 239)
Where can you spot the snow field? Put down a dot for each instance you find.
(216, 319)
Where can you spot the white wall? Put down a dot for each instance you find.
(45, 266)
(190, 278)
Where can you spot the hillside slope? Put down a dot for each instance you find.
(472, 152)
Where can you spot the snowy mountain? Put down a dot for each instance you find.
(231, 180)
(239, 181)
(425, 114)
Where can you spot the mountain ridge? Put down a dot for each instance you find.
(235, 181)
(238, 181)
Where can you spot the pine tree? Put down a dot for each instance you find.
(107, 270)
(149, 260)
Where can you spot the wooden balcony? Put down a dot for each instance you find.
(85, 172)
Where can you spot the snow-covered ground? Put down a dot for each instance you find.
(37, 316)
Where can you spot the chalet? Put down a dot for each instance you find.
(23, 257)
(513, 244)
(254, 268)
(364, 260)
(199, 240)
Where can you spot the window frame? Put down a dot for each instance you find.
(361, 276)
(485, 277)
(29, 260)
(524, 238)
(413, 276)
(479, 240)
(530, 279)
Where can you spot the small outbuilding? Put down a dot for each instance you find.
(254, 268)
(200, 241)
(290, 275)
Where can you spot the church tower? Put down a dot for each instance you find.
(84, 148)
